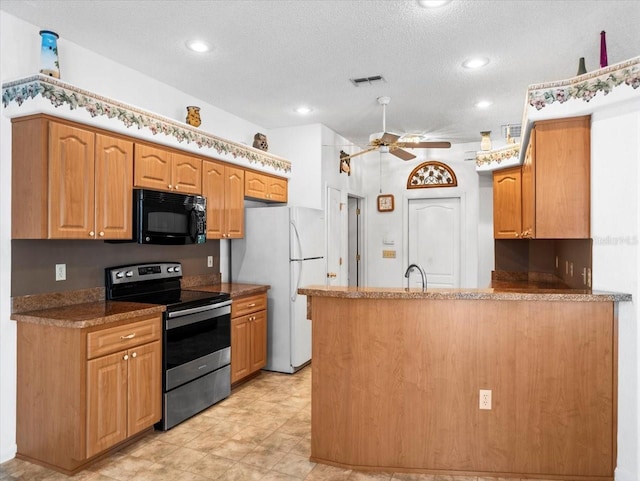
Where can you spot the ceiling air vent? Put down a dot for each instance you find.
(514, 130)
(367, 80)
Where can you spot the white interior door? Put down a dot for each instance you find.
(334, 237)
(434, 240)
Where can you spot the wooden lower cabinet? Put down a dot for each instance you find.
(248, 336)
(84, 391)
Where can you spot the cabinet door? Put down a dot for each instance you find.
(255, 185)
(114, 185)
(71, 182)
(529, 189)
(106, 402)
(186, 174)
(507, 203)
(145, 387)
(234, 202)
(258, 340)
(277, 189)
(213, 188)
(240, 355)
(563, 181)
(152, 168)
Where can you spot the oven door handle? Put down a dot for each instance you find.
(195, 310)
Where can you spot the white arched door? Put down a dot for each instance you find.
(434, 240)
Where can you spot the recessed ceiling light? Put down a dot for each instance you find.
(304, 110)
(483, 104)
(198, 46)
(475, 62)
(433, 3)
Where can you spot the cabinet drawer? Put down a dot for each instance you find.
(246, 305)
(122, 337)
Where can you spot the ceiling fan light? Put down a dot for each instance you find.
(477, 62)
(303, 110)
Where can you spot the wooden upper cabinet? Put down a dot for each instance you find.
(161, 169)
(554, 185)
(69, 182)
(114, 187)
(562, 166)
(71, 185)
(223, 186)
(507, 203)
(265, 187)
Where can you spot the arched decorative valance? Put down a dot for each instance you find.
(432, 174)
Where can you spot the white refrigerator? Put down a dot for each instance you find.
(285, 248)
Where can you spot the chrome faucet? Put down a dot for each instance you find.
(424, 276)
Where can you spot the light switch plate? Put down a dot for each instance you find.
(209, 261)
(61, 272)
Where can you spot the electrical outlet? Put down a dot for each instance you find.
(388, 254)
(209, 261)
(485, 399)
(61, 272)
(571, 269)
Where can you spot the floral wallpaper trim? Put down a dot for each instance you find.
(497, 156)
(61, 93)
(587, 86)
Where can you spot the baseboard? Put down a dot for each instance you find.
(8, 453)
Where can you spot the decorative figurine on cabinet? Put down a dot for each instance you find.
(193, 115)
(260, 142)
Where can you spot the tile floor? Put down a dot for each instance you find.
(261, 432)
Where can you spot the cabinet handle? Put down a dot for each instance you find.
(92, 234)
(176, 187)
(126, 357)
(134, 355)
(170, 186)
(130, 336)
(101, 234)
(517, 235)
(253, 304)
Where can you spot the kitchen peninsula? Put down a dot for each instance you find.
(397, 375)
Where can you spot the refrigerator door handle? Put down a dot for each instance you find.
(294, 294)
(298, 241)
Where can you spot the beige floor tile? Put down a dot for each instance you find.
(413, 477)
(205, 442)
(180, 435)
(154, 451)
(294, 465)
(252, 433)
(123, 468)
(264, 458)
(296, 428)
(159, 472)
(303, 448)
(369, 476)
(182, 458)
(280, 441)
(242, 472)
(324, 472)
(276, 476)
(444, 477)
(232, 449)
(211, 466)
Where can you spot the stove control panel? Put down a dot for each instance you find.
(143, 272)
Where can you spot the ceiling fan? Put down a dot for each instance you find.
(388, 142)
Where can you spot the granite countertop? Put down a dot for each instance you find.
(234, 288)
(506, 292)
(88, 314)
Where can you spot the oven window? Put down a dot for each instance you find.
(168, 222)
(190, 342)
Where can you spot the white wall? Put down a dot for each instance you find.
(615, 222)
(20, 57)
(388, 174)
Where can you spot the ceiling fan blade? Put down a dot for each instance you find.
(360, 153)
(403, 154)
(388, 138)
(424, 145)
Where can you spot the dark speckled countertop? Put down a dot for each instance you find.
(507, 291)
(88, 314)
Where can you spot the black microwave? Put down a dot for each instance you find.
(169, 218)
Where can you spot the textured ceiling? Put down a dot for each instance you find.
(270, 56)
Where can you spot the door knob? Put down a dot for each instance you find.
(331, 275)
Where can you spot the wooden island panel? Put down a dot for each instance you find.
(396, 386)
